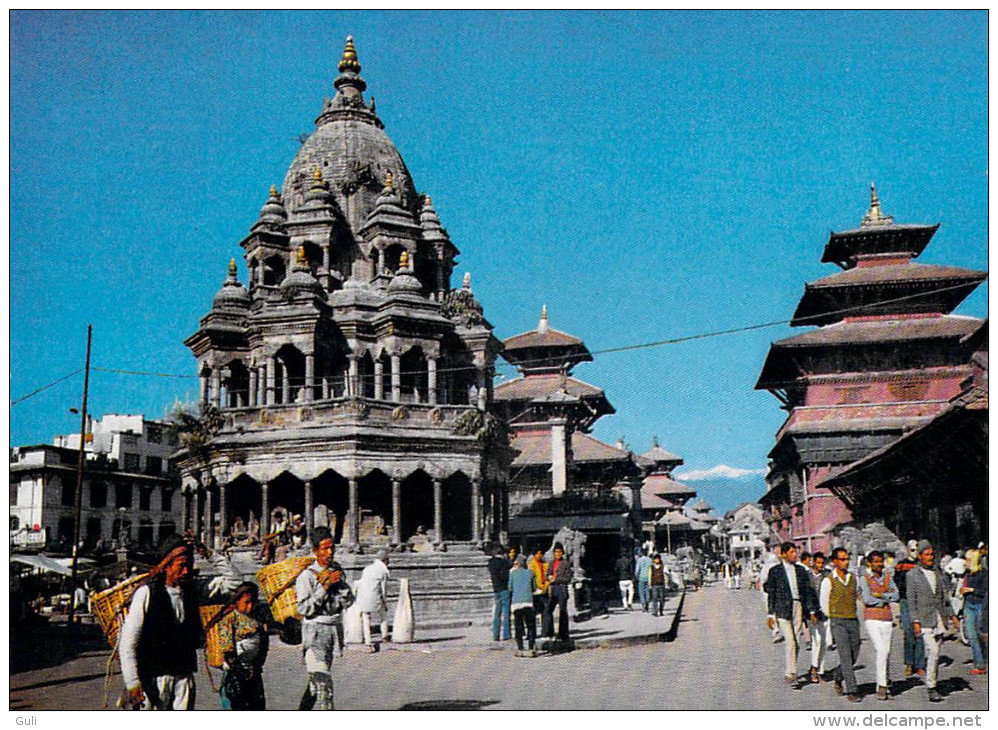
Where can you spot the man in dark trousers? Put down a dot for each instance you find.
(914, 647)
(928, 604)
(560, 577)
(839, 592)
(161, 635)
(499, 566)
(790, 598)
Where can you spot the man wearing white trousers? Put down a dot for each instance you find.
(372, 598)
(878, 592)
(820, 630)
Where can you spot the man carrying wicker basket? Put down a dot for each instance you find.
(322, 594)
(161, 635)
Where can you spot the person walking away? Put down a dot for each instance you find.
(642, 571)
(625, 581)
(819, 632)
(790, 599)
(839, 592)
(914, 647)
(929, 606)
(560, 578)
(499, 567)
(372, 597)
(161, 635)
(521, 585)
(322, 594)
(879, 592)
(244, 645)
(656, 582)
(975, 593)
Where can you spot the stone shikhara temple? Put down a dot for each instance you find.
(886, 362)
(351, 379)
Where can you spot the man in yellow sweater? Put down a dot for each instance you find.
(839, 591)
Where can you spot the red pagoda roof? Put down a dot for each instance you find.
(536, 386)
(666, 486)
(940, 289)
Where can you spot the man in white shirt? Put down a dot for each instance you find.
(161, 634)
(372, 598)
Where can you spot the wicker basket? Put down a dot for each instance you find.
(278, 584)
(213, 648)
(111, 606)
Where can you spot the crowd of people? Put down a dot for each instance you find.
(824, 610)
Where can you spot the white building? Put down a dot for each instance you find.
(130, 491)
(745, 531)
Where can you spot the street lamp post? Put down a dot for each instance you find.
(78, 497)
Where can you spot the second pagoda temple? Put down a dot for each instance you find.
(886, 358)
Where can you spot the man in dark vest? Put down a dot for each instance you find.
(161, 635)
(839, 591)
(790, 602)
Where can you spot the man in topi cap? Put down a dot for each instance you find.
(914, 648)
(929, 607)
(161, 635)
(372, 598)
(321, 594)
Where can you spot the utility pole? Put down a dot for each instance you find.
(78, 501)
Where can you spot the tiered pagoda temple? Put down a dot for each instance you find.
(562, 476)
(887, 356)
(352, 381)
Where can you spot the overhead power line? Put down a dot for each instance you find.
(36, 391)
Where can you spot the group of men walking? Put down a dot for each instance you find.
(822, 607)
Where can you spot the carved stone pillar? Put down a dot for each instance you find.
(216, 388)
(271, 391)
(483, 392)
(396, 379)
(309, 377)
(352, 389)
(397, 511)
(325, 387)
(185, 516)
(285, 384)
(379, 379)
(381, 261)
(253, 387)
(197, 510)
(438, 511)
(309, 510)
(223, 508)
(204, 389)
(354, 537)
(476, 520)
(431, 378)
(264, 509)
(209, 519)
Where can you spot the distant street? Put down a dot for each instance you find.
(722, 658)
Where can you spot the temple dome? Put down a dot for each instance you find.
(232, 294)
(300, 279)
(351, 149)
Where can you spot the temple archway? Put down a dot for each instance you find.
(291, 374)
(243, 497)
(235, 379)
(374, 497)
(330, 502)
(287, 492)
(414, 376)
(457, 511)
(273, 271)
(417, 503)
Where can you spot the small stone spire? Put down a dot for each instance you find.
(232, 269)
(301, 261)
(349, 62)
(273, 214)
(404, 260)
(466, 283)
(389, 182)
(372, 107)
(874, 216)
(543, 326)
(654, 440)
(620, 443)
(318, 192)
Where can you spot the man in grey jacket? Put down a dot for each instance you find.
(930, 609)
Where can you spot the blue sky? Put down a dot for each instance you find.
(647, 175)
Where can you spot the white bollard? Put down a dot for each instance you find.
(403, 626)
(353, 632)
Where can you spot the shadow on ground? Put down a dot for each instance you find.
(38, 646)
(459, 705)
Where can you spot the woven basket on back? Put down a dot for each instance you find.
(277, 581)
(111, 606)
(213, 648)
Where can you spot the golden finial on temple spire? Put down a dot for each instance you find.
(349, 62)
(317, 175)
(874, 216)
(301, 256)
(543, 325)
(273, 191)
(544, 311)
(404, 259)
(389, 181)
(232, 267)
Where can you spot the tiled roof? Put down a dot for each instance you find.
(877, 239)
(888, 330)
(535, 386)
(660, 455)
(664, 485)
(652, 501)
(897, 273)
(535, 449)
(551, 338)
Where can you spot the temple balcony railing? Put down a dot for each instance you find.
(344, 410)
